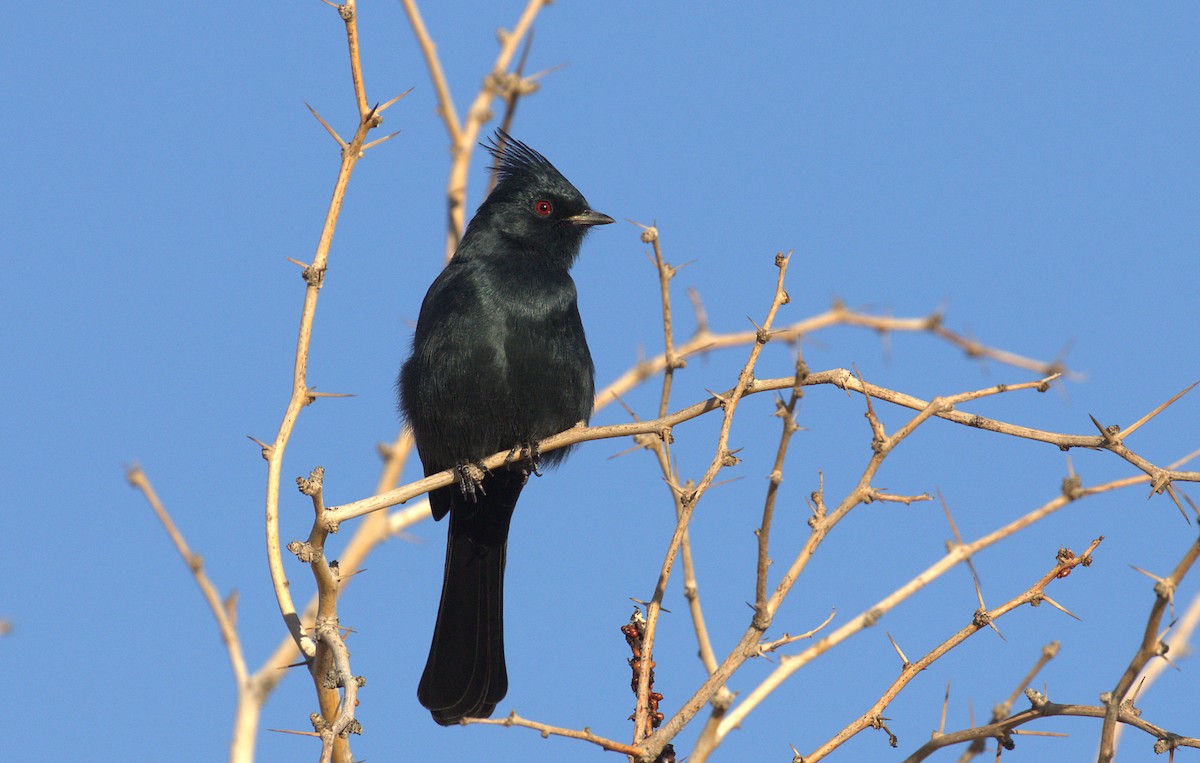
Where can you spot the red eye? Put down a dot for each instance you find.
(543, 208)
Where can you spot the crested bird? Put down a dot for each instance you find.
(499, 362)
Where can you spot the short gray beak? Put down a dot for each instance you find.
(589, 218)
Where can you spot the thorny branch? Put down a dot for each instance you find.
(1042, 707)
(981, 619)
(838, 377)
(326, 644)
(251, 689)
(722, 458)
(635, 635)
(330, 668)
(704, 341)
(749, 647)
(1003, 709)
(333, 721)
(822, 523)
(1178, 642)
(1152, 646)
(586, 735)
(1123, 712)
(464, 133)
(660, 446)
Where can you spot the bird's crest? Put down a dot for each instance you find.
(514, 159)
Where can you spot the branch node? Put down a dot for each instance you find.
(1037, 700)
(303, 551)
(1072, 487)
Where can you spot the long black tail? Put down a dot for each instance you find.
(465, 676)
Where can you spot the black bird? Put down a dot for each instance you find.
(499, 362)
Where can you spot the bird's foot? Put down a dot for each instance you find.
(470, 478)
(528, 454)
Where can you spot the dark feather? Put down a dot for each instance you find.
(515, 159)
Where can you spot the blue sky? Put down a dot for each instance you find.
(1031, 167)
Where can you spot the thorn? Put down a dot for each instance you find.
(1107, 435)
(625, 405)
(626, 452)
(384, 139)
(945, 703)
(946, 510)
(978, 587)
(724, 401)
(1059, 607)
(1171, 492)
(1191, 503)
(1150, 575)
(1133, 427)
(229, 604)
(289, 731)
(389, 104)
(266, 449)
(899, 651)
(325, 124)
(294, 261)
(698, 309)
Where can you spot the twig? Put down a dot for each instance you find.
(512, 719)
(704, 341)
(465, 133)
(786, 412)
(661, 446)
(330, 668)
(722, 458)
(839, 377)
(748, 646)
(822, 524)
(302, 395)
(1035, 594)
(249, 690)
(1004, 709)
(1151, 647)
(1043, 708)
(138, 479)
(1178, 643)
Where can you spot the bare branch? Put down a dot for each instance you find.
(1151, 647)
(512, 719)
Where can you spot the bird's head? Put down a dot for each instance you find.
(533, 205)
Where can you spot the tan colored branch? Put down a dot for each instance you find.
(661, 446)
(314, 276)
(838, 377)
(1035, 594)
(512, 719)
(749, 646)
(241, 746)
(464, 134)
(786, 412)
(331, 666)
(822, 524)
(721, 459)
(1178, 645)
(1152, 646)
(1043, 708)
(704, 341)
(138, 479)
(319, 651)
